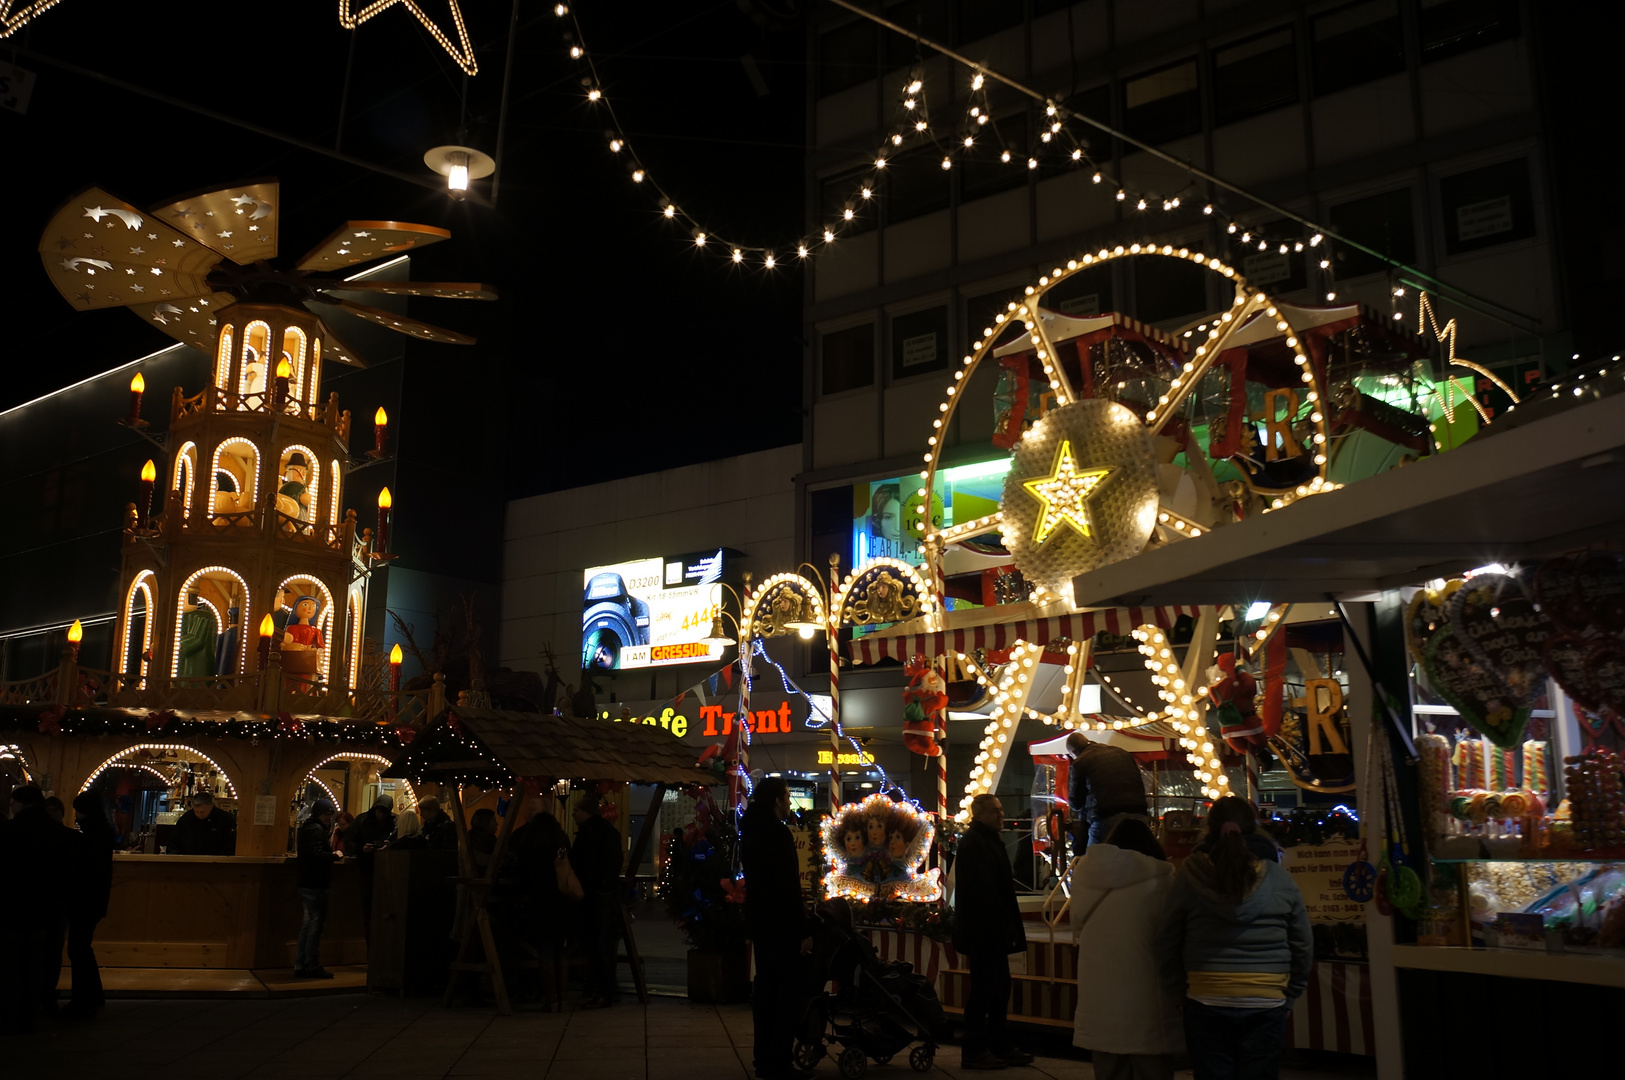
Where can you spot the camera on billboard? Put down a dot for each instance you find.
(612, 618)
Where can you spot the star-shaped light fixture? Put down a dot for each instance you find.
(349, 18)
(1064, 494)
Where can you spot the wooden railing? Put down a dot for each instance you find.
(219, 399)
(29, 691)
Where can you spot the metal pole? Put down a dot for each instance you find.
(502, 111)
(1418, 280)
(832, 638)
(344, 98)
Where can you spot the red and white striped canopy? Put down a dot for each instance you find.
(1077, 626)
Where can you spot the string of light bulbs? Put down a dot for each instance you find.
(912, 131)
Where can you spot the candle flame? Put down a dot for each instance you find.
(380, 418)
(395, 654)
(138, 384)
(76, 632)
(284, 370)
(385, 500)
(149, 472)
(267, 625)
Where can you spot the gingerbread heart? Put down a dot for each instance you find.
(1565, 656)
(1424, 615)
(1605, 674)
(1601, 577)
(1492, 708)
(1557, 590)
(1502, 629)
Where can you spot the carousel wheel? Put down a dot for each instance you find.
(853, 1063)
(922, 1058)
(809, 1055)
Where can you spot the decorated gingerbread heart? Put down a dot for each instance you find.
(1565, 656)
(1557, 591)
(1424, 615)
(1605, 674)
(1502, 629)
(1495, 710)
(1601, 577)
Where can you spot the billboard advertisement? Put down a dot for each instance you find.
(650, 612)
(886, 513)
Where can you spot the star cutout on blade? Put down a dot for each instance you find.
(157, 272)
(363, 235)
(350, 19)
(225, 234)
(1063, 496)
(137, 288)
(178, 243)
(138, 251)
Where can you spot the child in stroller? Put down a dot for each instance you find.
(873, 1009)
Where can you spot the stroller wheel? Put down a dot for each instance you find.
(922, 1058)
(808, 1055)
(853, 1063)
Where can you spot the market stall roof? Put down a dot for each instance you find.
(1507, 496)
(495, 746)
(1001, 627)
(1067, 327)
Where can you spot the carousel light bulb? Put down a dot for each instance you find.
(769, 261)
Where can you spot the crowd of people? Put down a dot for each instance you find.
(37, 845)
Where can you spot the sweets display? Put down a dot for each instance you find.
(1596, 792)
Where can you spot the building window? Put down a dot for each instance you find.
(849, 359)
(1356, 44)
(838, 193)
(1254, 76)
(1166, 289)
(979, 18)
(847, 56)
(1487, 207)
(1164, 104)
(916, 184)
(1087, 292)
(983, 171)
(1449, 27)
(928, 18)
(919, 342)
(980, 310)
(1382, 222)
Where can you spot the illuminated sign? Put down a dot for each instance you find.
(828, 757)
(777, 715)
(650, 612)
(884, 518)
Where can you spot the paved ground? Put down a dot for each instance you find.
(359, 1036)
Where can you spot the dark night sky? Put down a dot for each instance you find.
(617, 347)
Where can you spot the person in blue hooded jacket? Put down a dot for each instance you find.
(1236, 925)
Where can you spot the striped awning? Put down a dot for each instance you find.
(1078, 626)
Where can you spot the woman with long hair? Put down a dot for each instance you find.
(1128, 1014)
(1237, 927)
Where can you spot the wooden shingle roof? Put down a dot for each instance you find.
(496, 746)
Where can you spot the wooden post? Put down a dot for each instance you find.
(477, 891)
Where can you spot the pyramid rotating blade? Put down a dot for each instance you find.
(335, 349)
(363, 241)
(421, 330)
(188, 321)
(101, 252)
(446, 290)
(238, 222)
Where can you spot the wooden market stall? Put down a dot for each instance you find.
(488, 750)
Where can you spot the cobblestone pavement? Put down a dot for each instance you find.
(361, 1036)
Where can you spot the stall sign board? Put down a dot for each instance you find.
(1318, 869)
(806, 858)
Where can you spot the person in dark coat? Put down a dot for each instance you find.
(597, 859)
(205, 829)
(35, 857)
(439, 831)
(779, 927)
(315, 883)
(987, 929)
(370, 834)
(542, 912)
(1105, 788)
(87, 905)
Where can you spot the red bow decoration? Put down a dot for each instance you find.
(157, 720)
(405, 734)
(50, 721)
(733, 891)
(89, 686)
(287, 725)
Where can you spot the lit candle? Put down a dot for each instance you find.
(381, 537)
(267, 631)
(394, 681)
(149, 475)
(284, 372)
(76, 633)
(380, 428)
(138, 386)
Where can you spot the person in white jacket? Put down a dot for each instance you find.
(1128, 1009)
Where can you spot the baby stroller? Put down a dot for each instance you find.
(875, 1009)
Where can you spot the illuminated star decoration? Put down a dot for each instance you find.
(1063, 496)
(15, 16)
(350, 19)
